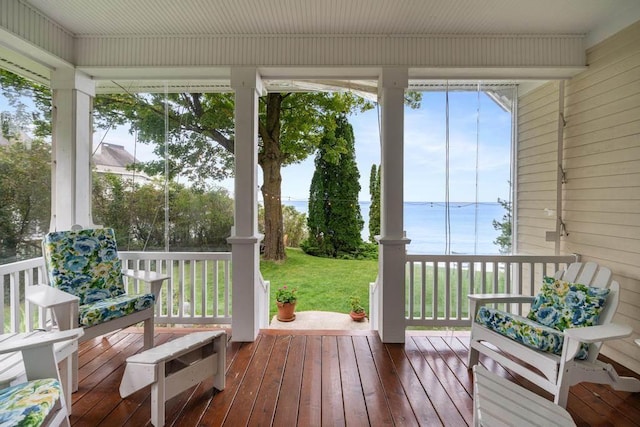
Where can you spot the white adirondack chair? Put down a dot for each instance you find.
(40, 401)
(556, 373)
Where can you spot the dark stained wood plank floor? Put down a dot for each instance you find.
(321, 378)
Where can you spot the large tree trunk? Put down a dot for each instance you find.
(270, 159)
(273, 226)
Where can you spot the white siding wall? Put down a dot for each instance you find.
(601, 198)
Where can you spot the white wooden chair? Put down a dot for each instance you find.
(40, 401)
(86, 286)
(554, 372)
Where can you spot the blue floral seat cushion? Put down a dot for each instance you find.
(28, 404)
(524, 331)
(85, 263)
(112, 308)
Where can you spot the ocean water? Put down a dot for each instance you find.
(424, 223)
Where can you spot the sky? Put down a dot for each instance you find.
(477, 126)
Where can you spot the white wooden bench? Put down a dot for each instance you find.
(498, 402)
(175, 366)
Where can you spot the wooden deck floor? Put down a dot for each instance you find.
(320, 378)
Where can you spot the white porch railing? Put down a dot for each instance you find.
(15, 316)
(437, 285)
(199, 286)
(198, 291)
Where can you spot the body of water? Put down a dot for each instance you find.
(424, 223)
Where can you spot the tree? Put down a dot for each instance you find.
(335, 223)
(201, 134)
(198, 219)
(25, 197)
(201, 143)
(504, 239)
(374, 208)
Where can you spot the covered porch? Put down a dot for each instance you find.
(577, 156)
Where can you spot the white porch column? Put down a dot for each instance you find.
(392, 255)
(73, 93)
(245, 240)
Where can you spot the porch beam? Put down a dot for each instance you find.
(73, 94)
(392, 255)
(244, 240)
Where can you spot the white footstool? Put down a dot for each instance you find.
(498, 402)
(175, 366)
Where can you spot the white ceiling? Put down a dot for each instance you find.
(594, 18)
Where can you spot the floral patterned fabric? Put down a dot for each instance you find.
(28, 404)
(558, 306)
(112, 308)
(525, 331)
(85, 263)
(563, 305)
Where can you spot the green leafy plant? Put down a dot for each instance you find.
(285, 294)
(356, 306)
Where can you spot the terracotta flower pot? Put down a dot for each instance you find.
(358, 317)
(286, 311)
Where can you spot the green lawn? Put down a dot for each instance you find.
(323, 284)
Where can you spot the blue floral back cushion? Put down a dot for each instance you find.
(84, 263)
(561, 305)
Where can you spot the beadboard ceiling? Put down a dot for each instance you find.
(94, 20)
(594, 18)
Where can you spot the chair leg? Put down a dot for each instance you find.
(148, 333)
(74, 374)
(473, 356)
(66, 379)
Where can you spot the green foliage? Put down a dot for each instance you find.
(374, 208)
(16, 89)
(286, 294)
(504, 239)
(356, 306)
(199, 220)
(335, 222)
(25, 197)
(295, 225)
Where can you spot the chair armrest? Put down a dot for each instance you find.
(154, 279)
(499, 298)
(64, 305)
(574, 337)
(40, 340)
(48, 297)
(591, 334)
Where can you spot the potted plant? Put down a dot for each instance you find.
(286, 300)
(357, 310)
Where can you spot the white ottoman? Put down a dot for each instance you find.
(175, 366)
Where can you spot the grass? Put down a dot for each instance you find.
(323, 284)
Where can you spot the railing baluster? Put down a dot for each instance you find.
(411, 294)
(423, 305)
(436, 286)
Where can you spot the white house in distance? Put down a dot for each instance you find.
(113, 158)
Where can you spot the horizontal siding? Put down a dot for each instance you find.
(601, 197)
(537, 148)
